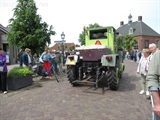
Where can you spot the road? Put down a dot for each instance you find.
(49, 100)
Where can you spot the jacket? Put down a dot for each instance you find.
(154, 71)
(26, 59)
(3, 63)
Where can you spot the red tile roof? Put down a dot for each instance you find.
(55, 47)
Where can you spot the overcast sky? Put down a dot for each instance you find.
(69, 16)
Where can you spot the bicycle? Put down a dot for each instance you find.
(39, 70)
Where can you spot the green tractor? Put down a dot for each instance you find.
(99, 62)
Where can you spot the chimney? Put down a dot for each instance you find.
(121, 23)
(140, 18)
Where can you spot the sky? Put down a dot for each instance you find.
(69, 16)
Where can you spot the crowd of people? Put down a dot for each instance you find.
(134, 55)
(47, 58)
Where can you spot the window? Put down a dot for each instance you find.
(157, 42)
(146, 44)
(130, 30)
(98, 34)
(135, 46)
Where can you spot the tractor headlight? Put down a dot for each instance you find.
(81, 57)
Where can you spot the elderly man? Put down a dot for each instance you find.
(152, 48)
(153, 80)
(26, 58)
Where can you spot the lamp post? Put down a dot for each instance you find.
(63, 37)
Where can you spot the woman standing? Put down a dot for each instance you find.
(44, 58)
(142, 70)
(3, 72)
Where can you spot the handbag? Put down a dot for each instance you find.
(1, 68)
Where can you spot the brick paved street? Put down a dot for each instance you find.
(49, 100)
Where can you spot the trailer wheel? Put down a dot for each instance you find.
(71, 74)
(113, 79)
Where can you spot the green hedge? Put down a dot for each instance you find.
(19, 71)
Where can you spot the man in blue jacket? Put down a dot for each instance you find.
(26, 58)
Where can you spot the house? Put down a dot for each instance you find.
(141, 31)
(57, 46)
(11, 51)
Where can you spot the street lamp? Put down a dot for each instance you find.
(62, 37)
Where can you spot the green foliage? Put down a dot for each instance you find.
(19, 71)
(119, 42)
(62, 47)
(81, 35)
(71, 48)
(128, 42)
(27, 29)
(77, 45)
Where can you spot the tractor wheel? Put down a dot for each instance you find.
(113, 79)
(71, 74)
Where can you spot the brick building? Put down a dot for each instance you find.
(55, 47)
(141, 31)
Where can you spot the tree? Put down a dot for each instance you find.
(62, 47)
(127, 42)
(71, 48)
(27, 29)
(77, 45)
(81, 35)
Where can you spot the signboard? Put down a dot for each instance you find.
(59, 41)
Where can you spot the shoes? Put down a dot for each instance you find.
(5, 92)
(147, 93)
(142, 92)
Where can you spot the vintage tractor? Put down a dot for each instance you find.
(99, 62)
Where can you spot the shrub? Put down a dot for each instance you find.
(19, 71)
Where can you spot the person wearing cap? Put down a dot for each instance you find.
(3, 72)
(26, 58)
(153, 80)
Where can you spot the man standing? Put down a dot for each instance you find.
(60, 63)
(20, 54)
(153, 81)
(26, 58)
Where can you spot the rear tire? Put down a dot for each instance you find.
(112, 79)
(71, 74)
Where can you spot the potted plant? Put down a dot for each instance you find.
(19, 77)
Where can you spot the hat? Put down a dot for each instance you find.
(152, 45)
